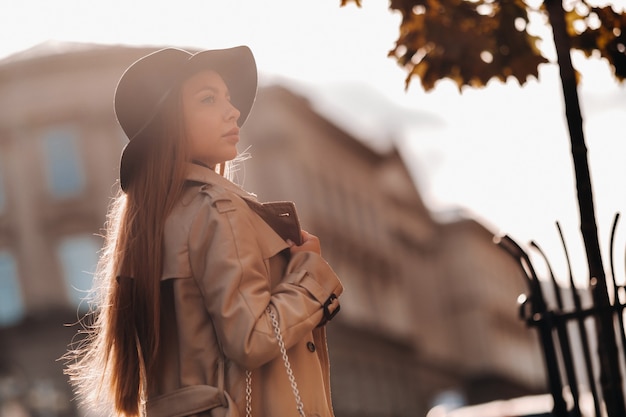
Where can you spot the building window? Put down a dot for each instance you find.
(79, 258)
(11, 305)
(2, 196)
(63, 163)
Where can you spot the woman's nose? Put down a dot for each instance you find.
(232, 112)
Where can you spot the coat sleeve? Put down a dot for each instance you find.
(227, 263)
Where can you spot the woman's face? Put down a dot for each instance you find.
(209, 118)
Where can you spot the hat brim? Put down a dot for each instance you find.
(236, 66)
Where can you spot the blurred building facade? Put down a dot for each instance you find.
(429, 311)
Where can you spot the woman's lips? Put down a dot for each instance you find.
(232, 134)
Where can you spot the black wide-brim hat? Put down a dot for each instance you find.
(147, 82)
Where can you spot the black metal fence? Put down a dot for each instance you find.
(565, 319)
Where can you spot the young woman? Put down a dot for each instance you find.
(205, 305)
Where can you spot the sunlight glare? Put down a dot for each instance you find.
(486, 56)
(520, 24)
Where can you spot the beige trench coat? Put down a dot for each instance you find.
(223, 267)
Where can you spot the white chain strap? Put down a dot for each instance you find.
(248, 394)
(292, 378)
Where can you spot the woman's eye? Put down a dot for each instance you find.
(208, 100)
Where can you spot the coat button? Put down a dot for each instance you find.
(310, 346)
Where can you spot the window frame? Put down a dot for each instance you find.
(69, 163)
(16, 297)
(74, 273)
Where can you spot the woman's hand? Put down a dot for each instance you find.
(310, 243)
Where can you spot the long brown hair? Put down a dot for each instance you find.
(122, 330)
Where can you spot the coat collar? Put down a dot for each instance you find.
(205, 175)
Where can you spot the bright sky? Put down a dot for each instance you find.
(502, 152)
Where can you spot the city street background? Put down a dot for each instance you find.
(499, 153)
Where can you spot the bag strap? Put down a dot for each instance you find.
(292, 378)
(248, 393)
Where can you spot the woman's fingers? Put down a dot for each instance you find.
(310, 243)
